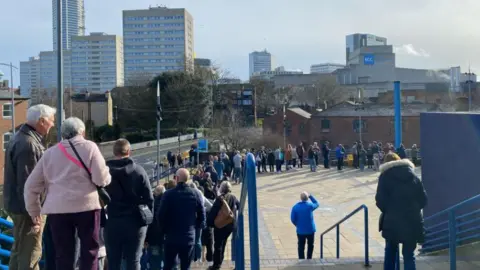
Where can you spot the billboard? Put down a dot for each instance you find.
(369, 59)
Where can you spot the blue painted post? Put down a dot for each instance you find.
(365, 220)
(338, 241)
(233, 244)
(252, 212)
(452, 240)
(397, 100)
(240, 254)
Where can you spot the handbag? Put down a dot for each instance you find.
(102, 193)
(144, 213)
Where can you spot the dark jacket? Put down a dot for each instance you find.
(181, 212)
(21, 155)
(234, 205)
(401, 198)
(155, 236)
(300, 150)
(401, 152)
(271, 158)
(130, 187)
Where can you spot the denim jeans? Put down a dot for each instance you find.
(197, 253)
(391, 250)
(313, 165)
(155, 255)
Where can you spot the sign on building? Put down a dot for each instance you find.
(369, 59)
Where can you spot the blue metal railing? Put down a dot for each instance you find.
(337, 226)
(5, 239)
(456, 229)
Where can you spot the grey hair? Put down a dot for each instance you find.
(159, 190)
(304, 196)
(72, 127)
(225, 187)
(36, 112)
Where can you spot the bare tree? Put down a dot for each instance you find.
(323, 93)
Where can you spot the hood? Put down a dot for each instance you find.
(397, 163)
(123, 166)
(400, 170)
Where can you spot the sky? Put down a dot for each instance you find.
(432, 34)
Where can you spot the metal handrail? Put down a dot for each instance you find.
(337, 226)
(453, 231)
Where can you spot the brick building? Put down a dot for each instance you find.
(346, 122)
(21, 106)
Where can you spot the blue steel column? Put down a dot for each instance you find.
(240, 244)
(252, 212)
(398, 113)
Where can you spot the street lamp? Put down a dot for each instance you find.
(469, 82)
(12, 93)
(87, 98)
(359, 105)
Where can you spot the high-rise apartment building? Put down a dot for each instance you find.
(73, 21)
(29, 76)
(260, 61)
(357, 41)
(97, 62)
(156, 40)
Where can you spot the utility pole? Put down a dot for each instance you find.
(284, 128)
(469, 82)
(179, 134)
(59, 71)
(159, 118)
(359, 106)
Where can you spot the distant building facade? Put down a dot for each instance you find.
(202, 62)
(325, 68)
(240, 97)
(260, 61)
(156, 40)
(356, 41)
(268, 75)
(97, 62)
(73, 20)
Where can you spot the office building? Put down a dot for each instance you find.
(325, 68)
(260, 61)
(156, 40)
(97, 62)
(29, 76)
(73, 21)
(268, 75)
(357, 41)
(202, 62)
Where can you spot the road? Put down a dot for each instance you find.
(147, 157)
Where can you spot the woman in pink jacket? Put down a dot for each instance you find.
(71, 199)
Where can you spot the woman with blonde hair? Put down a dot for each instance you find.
(288, 157)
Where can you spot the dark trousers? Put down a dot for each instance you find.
(264, 165)
(87, 225)
(48, 247)
(207, 242)
(279, 165)
(124, 238)
(414, 161)
(326, 162)
(340, 163)
(220, 237)
(301, 245)
(271, 167)
(316, 158)
(184, 253)
(408, 252)
(294, 162)
(300, 158)
(355, 161)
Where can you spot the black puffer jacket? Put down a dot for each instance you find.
(401, 198)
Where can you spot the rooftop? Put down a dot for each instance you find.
(6, 95)
(93, 97)
(300, 112)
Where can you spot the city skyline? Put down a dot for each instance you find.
(297, 36)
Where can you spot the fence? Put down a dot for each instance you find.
(5, 240)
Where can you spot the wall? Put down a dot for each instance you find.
(450, 176)
(274, 125)
(6, 125)
(100, 114)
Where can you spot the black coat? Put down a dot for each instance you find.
(232, 202)
(155, 236)
(401, 198)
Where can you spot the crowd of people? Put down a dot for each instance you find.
(77, 211)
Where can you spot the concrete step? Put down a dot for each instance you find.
(423, 263)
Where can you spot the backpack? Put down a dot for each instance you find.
(224, 216)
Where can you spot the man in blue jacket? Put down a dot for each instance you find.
(181, 213)
(302, 218)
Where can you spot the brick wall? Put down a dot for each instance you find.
(21, 107)
(298, 131)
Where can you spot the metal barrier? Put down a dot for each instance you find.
(5, 239)
(337, 226)
(458, 229)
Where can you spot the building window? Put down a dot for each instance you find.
(6, 139)
(7, 110)
(325, 125)
(360, 126)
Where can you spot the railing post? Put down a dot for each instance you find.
(397, 258)
(321, 246)
(240, 244)
(338, 241)
(367, 259)
(252, 212)
(452, 231)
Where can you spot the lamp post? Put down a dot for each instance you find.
(89, 108)
(360, 106)
(469, 82)
(12, 93)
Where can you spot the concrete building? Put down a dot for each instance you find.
(95, 107)
(299, 80)
(73, 20)
(239, 96)
(202, 62)
(268, 75)
(325, 68)
(356, 41)
(260, 61)
(21, 105)
(97, 62)
(29, 76)
(156, 40)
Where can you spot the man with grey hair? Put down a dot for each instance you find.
(302, 218)
(21, 155)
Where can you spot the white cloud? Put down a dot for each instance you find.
(410, 50)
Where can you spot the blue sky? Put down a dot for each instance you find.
(429, 33)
